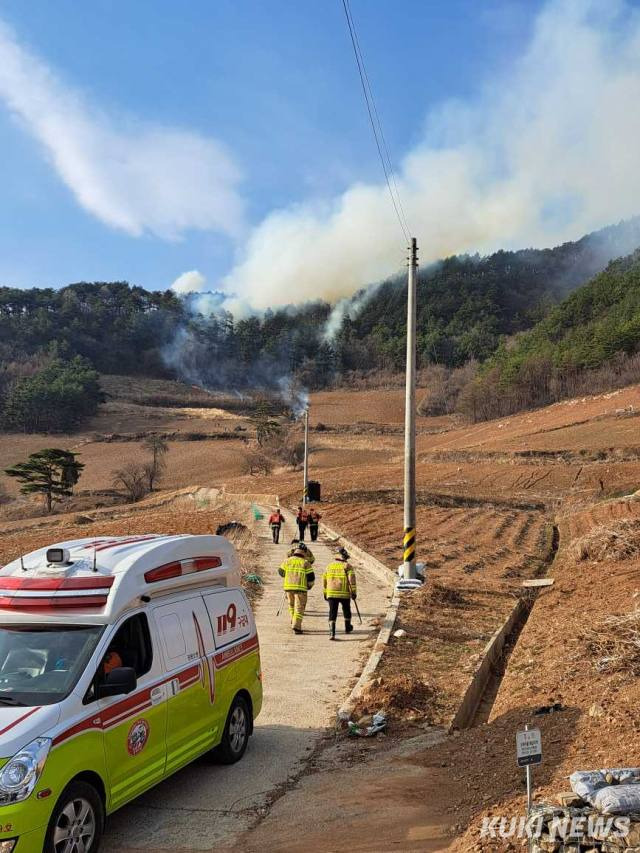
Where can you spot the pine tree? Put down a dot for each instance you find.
(50, 472)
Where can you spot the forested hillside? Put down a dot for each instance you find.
(467, 307)
(589, 342)
(466, 304)
(117, 327)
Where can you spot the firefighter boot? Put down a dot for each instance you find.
(348, 627)
(332, 630)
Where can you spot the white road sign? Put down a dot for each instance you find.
(529, 747)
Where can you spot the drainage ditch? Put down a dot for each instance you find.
(480, 698)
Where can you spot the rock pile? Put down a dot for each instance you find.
(576, 826)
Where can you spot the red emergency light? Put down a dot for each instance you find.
(179, 568)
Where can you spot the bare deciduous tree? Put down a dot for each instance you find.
(133, 480)
(158, 448)
(291, 453)
(256, 462)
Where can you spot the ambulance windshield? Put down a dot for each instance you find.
(40, 665)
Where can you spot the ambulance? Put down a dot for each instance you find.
(121, 660)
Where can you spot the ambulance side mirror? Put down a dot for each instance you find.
(120, 680)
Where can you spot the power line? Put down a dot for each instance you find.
(379, 122)
(376, 124)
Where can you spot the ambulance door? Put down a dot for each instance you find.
(134, 725)
(235, 639)
(187, 643)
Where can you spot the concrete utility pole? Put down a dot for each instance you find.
(409, 539)
(305, 493)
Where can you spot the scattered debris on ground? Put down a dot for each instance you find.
(441, 631)
(368, 726)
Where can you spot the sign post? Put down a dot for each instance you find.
(529, 752)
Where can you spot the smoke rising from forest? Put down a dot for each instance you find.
(545, 153)
(200, 356)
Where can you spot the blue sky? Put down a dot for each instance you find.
(273, 82)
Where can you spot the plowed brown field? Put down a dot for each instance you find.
(476, 559)
(555, 661)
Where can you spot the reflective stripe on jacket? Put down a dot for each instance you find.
(339, 580)
(297, 573)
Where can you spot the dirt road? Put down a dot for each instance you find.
(306, 677)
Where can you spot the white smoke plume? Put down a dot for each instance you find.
(194, 288)
(347, 306)
(547, 152)
(294, 395)
(191, 281)
(134, 176)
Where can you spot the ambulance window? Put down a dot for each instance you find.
(131, 645)
(171, 629)
(41, 664)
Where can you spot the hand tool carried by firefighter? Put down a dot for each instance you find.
(282, 601)
(346, 572)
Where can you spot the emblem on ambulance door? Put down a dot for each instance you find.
(227, 621)
(137, 737)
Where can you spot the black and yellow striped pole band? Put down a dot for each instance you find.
(409, 543)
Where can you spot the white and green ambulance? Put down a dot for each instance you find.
(121, 660)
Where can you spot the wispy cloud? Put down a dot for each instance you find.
(133, 176)
(546, 152)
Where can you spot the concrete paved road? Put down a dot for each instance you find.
(204, 806)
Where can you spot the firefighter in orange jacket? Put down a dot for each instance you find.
(299, 577)
(339, 587)
(276, 520)
(314, 520)
(302, 519)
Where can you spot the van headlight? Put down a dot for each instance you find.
(19, 775)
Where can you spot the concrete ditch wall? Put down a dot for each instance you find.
(264, 500)
(491, 654)
(373, 565)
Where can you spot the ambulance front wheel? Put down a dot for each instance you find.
(236, 733)
(77, 821)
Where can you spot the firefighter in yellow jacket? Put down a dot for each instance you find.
(339, 587)
(295, 545)
(299, 577)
